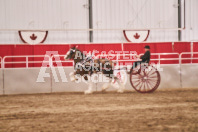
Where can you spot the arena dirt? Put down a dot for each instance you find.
(164, 110)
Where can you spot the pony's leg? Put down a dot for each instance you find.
(72, 76)
(121, 85)
(106, 85)
(90, 86)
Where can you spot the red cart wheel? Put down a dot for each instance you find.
(146, 80)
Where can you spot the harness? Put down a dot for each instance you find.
(83, 63)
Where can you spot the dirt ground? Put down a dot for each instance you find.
(164, 110)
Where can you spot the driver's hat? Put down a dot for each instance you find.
(147, 47)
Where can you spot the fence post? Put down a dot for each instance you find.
(26, 61)
(180, 69)
(2, 62)
(173, 48)
(2, 67)
(117, 60)
(122, 45)
(191, 44)
(50, 61)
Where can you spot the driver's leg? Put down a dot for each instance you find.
(135, 64)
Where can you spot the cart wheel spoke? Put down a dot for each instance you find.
(146, 81)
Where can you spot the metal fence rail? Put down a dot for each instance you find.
(160, 58)
(0, 61)
(117, 58)
(188, 53)
(46, 59)
(57, 59)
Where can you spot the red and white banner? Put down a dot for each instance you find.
(33, 37)
(136, 36)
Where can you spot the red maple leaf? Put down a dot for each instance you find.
(33, 37)
(136, 36)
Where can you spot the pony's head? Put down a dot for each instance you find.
(71, 53)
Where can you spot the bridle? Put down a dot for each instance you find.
(70, 52)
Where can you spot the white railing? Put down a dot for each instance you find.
(114, 57)
(188, 58)
(160, 58)
(191, 58)
(133, 58)
(27, 61)
(59, 60)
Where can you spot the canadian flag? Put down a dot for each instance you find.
(136, 36)
(33, 37)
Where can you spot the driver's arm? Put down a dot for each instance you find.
(145, 57)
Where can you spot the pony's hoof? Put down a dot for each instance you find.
(120, 91)
(88, 92)
(103, 90)
(72, 79)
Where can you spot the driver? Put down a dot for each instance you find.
(145, 58)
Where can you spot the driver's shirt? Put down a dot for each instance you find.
(146, 57)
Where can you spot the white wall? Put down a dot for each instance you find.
(107, 14)
(23, 80)
(135, 14)
(189, 78)
(191, 31)
(44, 14)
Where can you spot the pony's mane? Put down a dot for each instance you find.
(82, 54)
